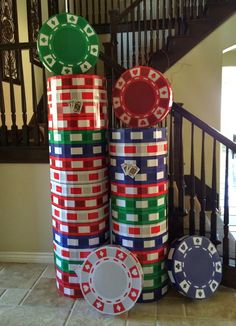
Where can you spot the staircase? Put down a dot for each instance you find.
(134, 32)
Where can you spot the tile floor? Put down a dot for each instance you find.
(28, 296)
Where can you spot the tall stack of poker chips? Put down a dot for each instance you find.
(139, 186)
(77, 118)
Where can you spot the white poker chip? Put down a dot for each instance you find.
(111, 280)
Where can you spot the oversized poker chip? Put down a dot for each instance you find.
(77, 137)
(80, 216)
(133, 205)
(93, 109)
(111, 280)
(66, 265)
(150, 190)
(194, 267)
(138, 216)
(76, 123)
(156, 282)
(67, 278)
(139, 231)
(79, 96)
(75, 81)
(73, 242)
(87, 190)
(151, 270)
(78, 164)
(153, 295)
(80, 229)
(79, 203)
(151, 256)
(140, 244)
(141, 97)
(140, 178)
(137, 135)
(67, 44)
(78, 177)
(71, 291)
(72, 254)
(138, 149)
(145, 164)
(77, 150)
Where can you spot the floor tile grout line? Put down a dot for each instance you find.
(31, 288)
(69, 314)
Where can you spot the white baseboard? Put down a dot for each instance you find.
(26, 257)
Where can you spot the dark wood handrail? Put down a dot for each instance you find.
(128, 10)
(204, 126)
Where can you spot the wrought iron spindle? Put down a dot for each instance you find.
(164, 24)
(127, 40)
(226, 211)
(25, 128)
(171, 219)
(139, 35)
(213, 197)
(157, 25)
(34, 105)
(203, 190)
(93, 13)
(3, 128)
(151, 28)
(133, 37)
(170, 17)
(145, 31)
(14, 128)
(99, 12)
(192, 187)
(106, 12)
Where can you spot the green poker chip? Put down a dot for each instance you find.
(67, 44)
(151, 270)
(138, 217)
(66, 265)
(77, 137)
(139, 204)
(156, 282)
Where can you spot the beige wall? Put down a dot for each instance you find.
(25, 221)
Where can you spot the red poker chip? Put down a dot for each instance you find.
(77, 122)
(67, 278)
(79, 203)
(151, 256)
(78, 164)
(142, 97)
(76, 81)
(71, 291)
(78, 229)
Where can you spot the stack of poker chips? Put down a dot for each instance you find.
(78, 172)
(139, 186)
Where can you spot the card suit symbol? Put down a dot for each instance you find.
(98, 305)
(142, 122)
(125, 118)
(120, 83)
(135, 71)
(89, 30)
(49, 60)
(72, 18)
(183, 247)
(94, 50)
(197, 240)
(134, 272)
(118, 308)
(43, 39)
(133, 294)
(153, 75)
(213, 285)
(120, 255)
(200, 293)
(85, 288)
(85, 66)
(178, 266)
(184, 286)
(67, 70)
(53, 22)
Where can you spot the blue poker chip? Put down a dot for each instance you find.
(194, 267)
(132, 174)
(140, 243)
(153, 295)
(137, 135)
(73, 242)
(145, 164)
(78, 151)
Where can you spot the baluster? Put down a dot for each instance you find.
(133, 37)
(34, 105)
(3, 128)
(106, 11)
(139, 36)
(14, 128)
(213, 198)
(45, 111)
(151, 28)
(170, 17)
(203, 190)
(179, 171)
(163, 24)
(99, 12)
(127, 39)
(80, 7)
(145, 31)
(87, 10)
(192, 188)
(25, 128)
(75, 6)
(171, 219)
(93, 13)
(157, 26)
(177, 18)
(226, 212)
